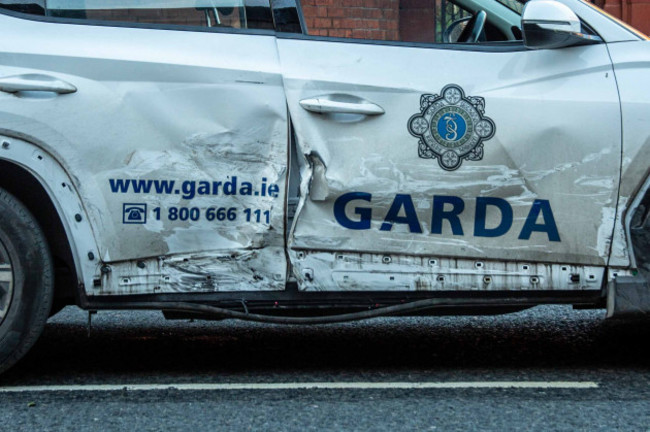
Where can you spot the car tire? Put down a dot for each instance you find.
(26, 280)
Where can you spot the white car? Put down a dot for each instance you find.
(288, 164)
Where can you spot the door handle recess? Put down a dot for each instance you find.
(342, 104)
(35, 82)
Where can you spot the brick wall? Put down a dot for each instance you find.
(184, 16)
(634, 12)
(411, 20)
(160, 16)
(405, 20)
(417, 23)
(364, 19)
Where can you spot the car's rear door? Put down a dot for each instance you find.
(175, 133)
(447, 167)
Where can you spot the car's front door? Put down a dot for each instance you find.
(447, 167)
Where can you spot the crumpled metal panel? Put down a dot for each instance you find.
(397, 272)
(632, 67)
(208, 272)
(176, 142)
(553, 162)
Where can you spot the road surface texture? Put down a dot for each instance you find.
(544, 369)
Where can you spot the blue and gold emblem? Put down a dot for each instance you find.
(451, 127)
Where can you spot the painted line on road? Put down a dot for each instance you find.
(308, 386)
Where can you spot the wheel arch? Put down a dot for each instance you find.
(37, 179)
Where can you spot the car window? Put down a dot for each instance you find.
(429, 21)
(515, 5)
(241, 14)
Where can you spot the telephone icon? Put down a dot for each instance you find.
(134, 213)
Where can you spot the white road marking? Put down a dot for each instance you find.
(308, 386)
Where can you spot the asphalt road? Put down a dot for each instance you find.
(605, 361)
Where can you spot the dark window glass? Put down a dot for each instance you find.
(389, 20)
(286, 15)
(243, 14)
(426, 21)
(515, 5)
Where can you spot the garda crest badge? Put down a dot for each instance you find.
(451, 127)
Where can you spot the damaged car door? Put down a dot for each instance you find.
(171, 120)
(436, 167)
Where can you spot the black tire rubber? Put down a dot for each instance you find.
(33, 280)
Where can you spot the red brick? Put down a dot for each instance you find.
(338, 32)
(309, 11)
(394, 14)
(360, 34)
(416, 27)
(393, 36)
(377, 34)
(370, 24)
(178, 13)
(351, 23)
(374, 13)
(383, 4)
(615, 7)
(323, 23)
(354, 12)
(336, 12)
(342, 33)
(640, 16)
(613, 10)
(418, 4)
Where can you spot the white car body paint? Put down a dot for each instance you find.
(188, 107)
(551, 144)
(62, 191)
(175, 106)
(607, 26)
(631, 64)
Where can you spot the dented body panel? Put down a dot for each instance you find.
(216, 162)
(399, 272)
(632, 67)
(549, 173)
(166, 143)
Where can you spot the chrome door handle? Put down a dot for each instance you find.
(35, 82)
(341, 103)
